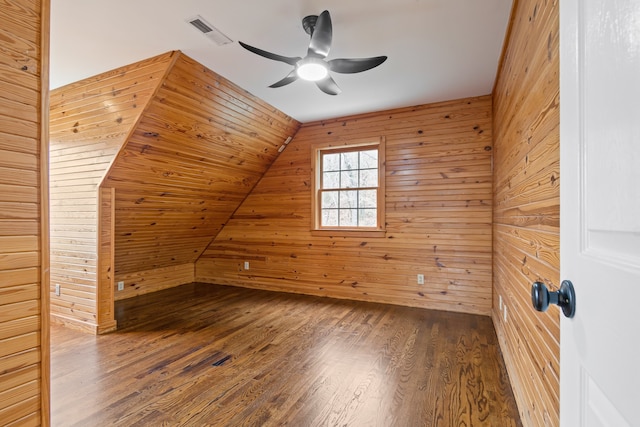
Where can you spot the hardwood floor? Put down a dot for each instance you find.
(211, 355)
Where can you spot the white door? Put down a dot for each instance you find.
(600, 211)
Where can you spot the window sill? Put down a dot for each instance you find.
(348, 233)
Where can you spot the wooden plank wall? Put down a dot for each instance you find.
(90, 121)
(526, 206)
(106, 253)
(24, 344)
(438, 216)
(199, 149)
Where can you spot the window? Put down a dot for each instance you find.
(348, 187)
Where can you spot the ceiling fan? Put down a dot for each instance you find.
(314, 67)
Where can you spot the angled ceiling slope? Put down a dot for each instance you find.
(197, 151)
(181, 146)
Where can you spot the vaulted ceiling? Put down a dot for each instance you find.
(438, 49)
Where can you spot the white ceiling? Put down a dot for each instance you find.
(438, 49)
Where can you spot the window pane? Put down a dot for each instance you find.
(348, 217)
(330, 180)
(369, 178)
(344, 202)
(367, 218)
(349, 179)
(349, 199)
(369, 159)
(329, 218)
(330, 200)
(349, 160)
(367, 199)
(331, 162)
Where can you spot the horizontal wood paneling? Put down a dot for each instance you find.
(199, 149)
(143, 282)
(24, 352)
(90, 121)
(526, 207)
(438, 216)
(148, 163)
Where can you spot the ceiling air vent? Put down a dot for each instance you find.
(209, 30)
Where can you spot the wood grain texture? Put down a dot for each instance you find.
(198, 150)
(157, 279)
(24, 344)
(106, 251)
(219, 355)
(89, 123)
(437, 216)
(526, 206)
(178, 147)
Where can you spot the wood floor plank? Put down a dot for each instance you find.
(213, 355)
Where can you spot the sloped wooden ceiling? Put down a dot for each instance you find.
(199, 149)
(90, 121)
(186, 162)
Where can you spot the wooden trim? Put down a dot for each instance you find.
(106, 260)
(341, 147)
(45, 374)
(77, 324)
(348, 233)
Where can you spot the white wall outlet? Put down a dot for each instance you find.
(246, 265)
(420, 279)
(57, 290)
(500, 302)
(121, 286)
(504, 313)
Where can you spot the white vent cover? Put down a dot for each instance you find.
(209, 30)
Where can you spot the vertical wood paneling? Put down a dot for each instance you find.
(24, 352)
(106, 219)
(438, 216)
(526, 206)
(90, 121)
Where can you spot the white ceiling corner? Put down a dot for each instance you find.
(438, 49)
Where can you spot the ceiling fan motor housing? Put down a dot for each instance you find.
(309, 23)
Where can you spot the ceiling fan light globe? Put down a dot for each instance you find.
(312, 69)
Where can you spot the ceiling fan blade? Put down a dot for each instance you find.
(286, 59)
(355, 65)
(321, 36)
(291, 77)
(328, 86)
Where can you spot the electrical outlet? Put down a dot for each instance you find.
(57, 290)
(504, 313)
(121, 286)
(420, 279)
(246, 265)
(500, 302)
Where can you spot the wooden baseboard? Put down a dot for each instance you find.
(144, 282)
(74, 323)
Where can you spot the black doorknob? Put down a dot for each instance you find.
(565, 297)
